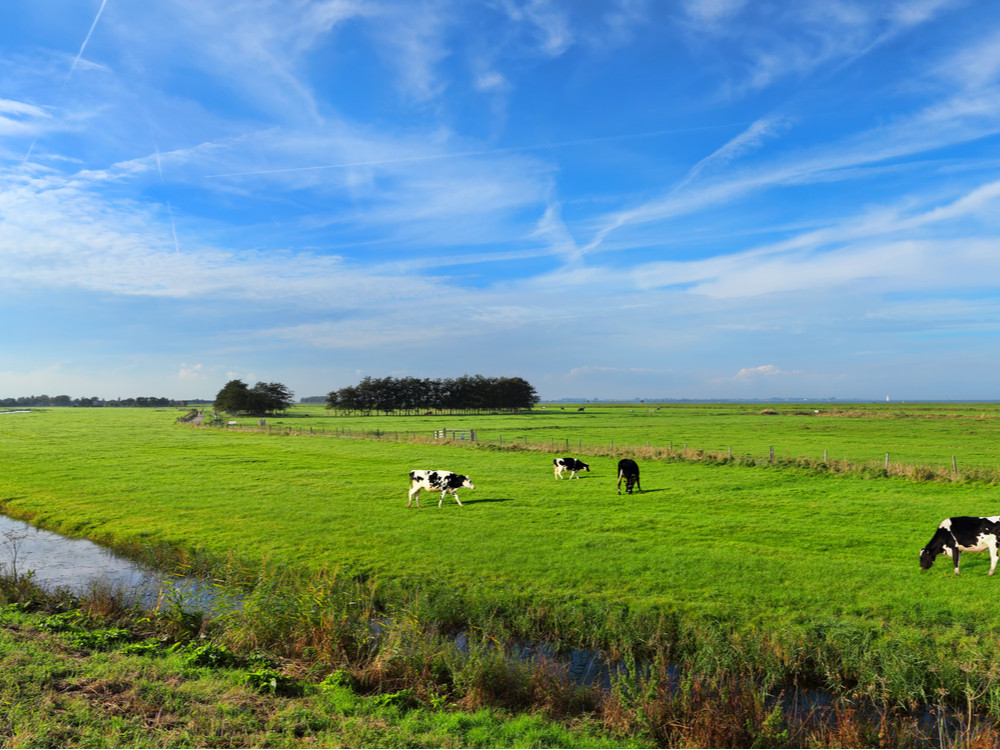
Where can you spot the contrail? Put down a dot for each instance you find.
(170, 209)
(87, 39)
(464, 154)
(72, 67)
(173, 227)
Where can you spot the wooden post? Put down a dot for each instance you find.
(824, 455)
(772, 452)
(886, 461)
(954, 465)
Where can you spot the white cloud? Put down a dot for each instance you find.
(190, 372)
(548, 24)
(761, 371)
(712, 11)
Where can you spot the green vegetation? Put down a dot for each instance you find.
(748, 576)
(409, 395)
(236, 397)
(69, 680)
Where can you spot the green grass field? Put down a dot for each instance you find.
(926, 434)
(810, 559)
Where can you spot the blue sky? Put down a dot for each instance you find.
(609, 198)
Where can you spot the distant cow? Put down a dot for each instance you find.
(443, 481)
(572, 465)
(629, 471)
(963, 534)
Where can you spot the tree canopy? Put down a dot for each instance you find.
(263, 399)
(465, 393)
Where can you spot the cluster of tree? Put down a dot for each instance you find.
(236, 397)
(467, 393)
(45, 400)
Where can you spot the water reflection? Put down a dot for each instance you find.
(58, 562)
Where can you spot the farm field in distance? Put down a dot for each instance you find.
(701, 536)
(925, 434)
(811, 560)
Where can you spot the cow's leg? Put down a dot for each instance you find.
(414, 495)
(457, 500)
(620, 475)
(993, 554)
(955, 554)
(443, 493)
(637, 485)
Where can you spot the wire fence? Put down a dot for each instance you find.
(949, 469)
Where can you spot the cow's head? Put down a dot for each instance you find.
(584, 467)
(629, 483)
(460, 480)
(936, 546)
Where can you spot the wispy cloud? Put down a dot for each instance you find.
(344, 186)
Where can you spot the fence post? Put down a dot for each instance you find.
(886, 461)
(954, 465)
(772, 452)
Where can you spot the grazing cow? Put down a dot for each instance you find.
(445, 481)
(572, 465)
(963, 534)
(629, 471)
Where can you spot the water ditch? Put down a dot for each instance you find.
(59, 562)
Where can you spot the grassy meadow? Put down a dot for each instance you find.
(787, 570)
(922, 434)
(703, 536)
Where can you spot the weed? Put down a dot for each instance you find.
(273, 682)
(209, 655)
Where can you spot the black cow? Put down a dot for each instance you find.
(963, 534)
(572, 465)
(629, 471)
(445, 481)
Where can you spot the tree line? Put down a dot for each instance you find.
(408, 395)
(63, 400)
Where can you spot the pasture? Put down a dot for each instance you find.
(923, 434)
(818, 567)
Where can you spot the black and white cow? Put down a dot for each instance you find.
(443, 481)
(629, 471)
(572, 465)
(963, 534)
